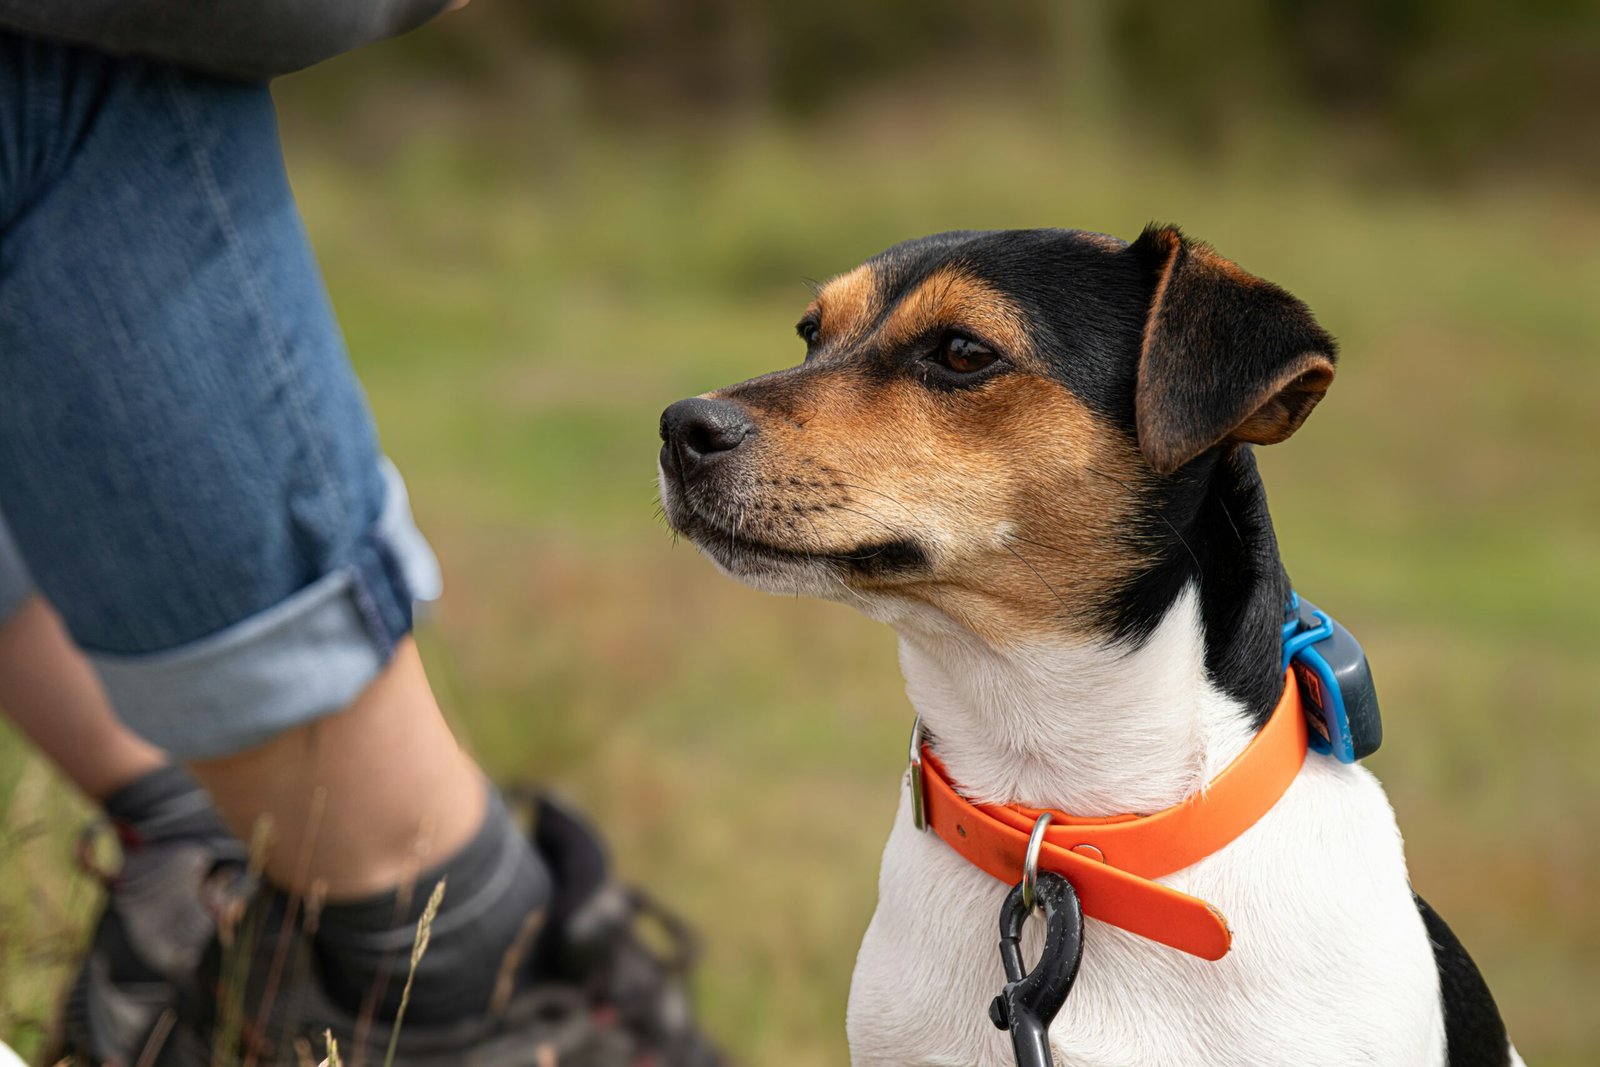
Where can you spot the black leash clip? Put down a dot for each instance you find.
(1031, 999)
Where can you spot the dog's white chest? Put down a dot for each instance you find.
(1316, 889)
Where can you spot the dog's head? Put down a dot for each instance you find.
(991, 425)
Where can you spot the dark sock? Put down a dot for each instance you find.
(166, 804)
(492, 886)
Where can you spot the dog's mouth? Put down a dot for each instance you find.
(728, 531)
(898, 554)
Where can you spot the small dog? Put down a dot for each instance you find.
(1028, 452)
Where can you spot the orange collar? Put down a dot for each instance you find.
(1110, 861)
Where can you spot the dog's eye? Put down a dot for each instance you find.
(963, 355)
(808, 329)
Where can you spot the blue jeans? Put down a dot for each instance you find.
(188, 467)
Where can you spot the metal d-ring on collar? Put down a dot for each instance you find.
(1030, 861)
(919, 817)
(919, 797)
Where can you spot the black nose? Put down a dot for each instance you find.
(697, 431)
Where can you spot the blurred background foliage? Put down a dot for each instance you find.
(1442, 89)
(541, 223)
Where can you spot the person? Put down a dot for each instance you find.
(208, 575)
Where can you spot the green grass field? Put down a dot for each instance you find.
(523, 299)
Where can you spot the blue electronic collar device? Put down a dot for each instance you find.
(1335, 682)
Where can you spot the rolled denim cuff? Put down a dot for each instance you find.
(15, 585)
(304, 658)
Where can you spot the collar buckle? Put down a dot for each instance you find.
(919, 792)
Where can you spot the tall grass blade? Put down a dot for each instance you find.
(418, 948)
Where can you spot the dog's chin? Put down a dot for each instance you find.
(784, 574)
(770, 568)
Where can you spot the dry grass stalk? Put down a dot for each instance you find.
(158, 1037)
(418, 947)
(421, 849)
(333, 1049)
(238, 930)
(280, 955)
(505, 980)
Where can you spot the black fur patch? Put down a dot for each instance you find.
(1211, 526)
(1475, 1036)
(884, 558)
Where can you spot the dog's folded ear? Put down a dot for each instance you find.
(1226, 357)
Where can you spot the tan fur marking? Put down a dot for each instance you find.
(1022, 496)
(847, 305)
(1102, 240)
(1174, 244)
(951, 298)
(1288, 401)
(1223, 265)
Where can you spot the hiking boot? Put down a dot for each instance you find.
(581, 988)
(150, 934)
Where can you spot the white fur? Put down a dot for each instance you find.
(1330, 962)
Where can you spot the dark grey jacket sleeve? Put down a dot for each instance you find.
(240, 39)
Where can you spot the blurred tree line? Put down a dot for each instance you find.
(1446, 87)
